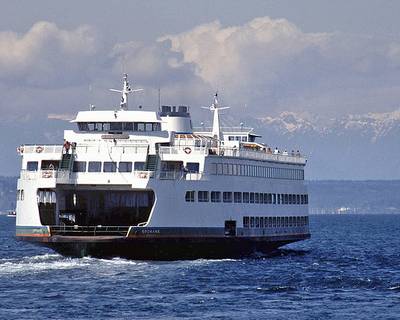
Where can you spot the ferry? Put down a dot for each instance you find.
(11, 213)
(148, 185)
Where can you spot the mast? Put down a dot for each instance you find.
(216, 128)
(126, 89)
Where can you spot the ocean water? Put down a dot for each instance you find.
(349, 269)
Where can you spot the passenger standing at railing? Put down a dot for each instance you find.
(276, 151)
(66, 147)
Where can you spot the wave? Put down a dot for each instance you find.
(39, 263)
(47, 262)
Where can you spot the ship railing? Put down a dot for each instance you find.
(261, 155)
(184, 150)
(120, 149)
(223, 129)
(91, 231)
(33, 175)
(180, 175)
(64, 176)
(40, 148)
(141, 174)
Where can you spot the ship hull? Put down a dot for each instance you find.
(171, 248)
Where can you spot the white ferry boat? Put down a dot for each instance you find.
(145, 185)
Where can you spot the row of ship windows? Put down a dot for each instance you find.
(257, 171)
(246, 197)
(20, 194)
(274, 222)
(119, 126)
(93, 166)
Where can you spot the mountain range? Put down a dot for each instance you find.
(355, 147)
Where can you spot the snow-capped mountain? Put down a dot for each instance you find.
(371, 125)
(362, 146)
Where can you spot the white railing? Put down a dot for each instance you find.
(39, 174)
(223, 129)
(131, 149)
(40, 148)
(64, 176)
(233, 152)
(262, 155)
(181, 175)
(143, 174)
(183, 150)
(122, 149)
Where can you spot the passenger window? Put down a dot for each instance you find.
(139, 166)
(98, 126)
(215, 196)
(149, 127)
(125, 167)
(110, 167)
(141, 126)
(192, 167)
(246, 222)
(227, 196)
(106, 126)
(32, 166)
(83, 126)
(189, 196)
(245, 197)
(79, 166)
(128, 126)
(251, 222)
(116, 126)
(251, 197)
(94, 166)
(237, 197)
(203, 196)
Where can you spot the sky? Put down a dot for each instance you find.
(329, 58)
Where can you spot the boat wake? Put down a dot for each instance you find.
(49, 262)
(39, 263)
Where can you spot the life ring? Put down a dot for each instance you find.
(187, 150)
(47, 174)
(39, 149)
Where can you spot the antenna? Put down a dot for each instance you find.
(159, 98)
(126, 89)
(216, 129)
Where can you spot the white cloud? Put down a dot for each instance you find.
(47, 56)
(271, 65)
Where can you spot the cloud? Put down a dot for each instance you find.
(61, 116)
(271, 65)
(47, 56)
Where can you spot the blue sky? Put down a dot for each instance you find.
(328, 58)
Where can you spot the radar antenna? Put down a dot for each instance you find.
(126, 89)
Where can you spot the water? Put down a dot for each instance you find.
(348, 270)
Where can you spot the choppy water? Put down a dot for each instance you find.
(350, 269)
